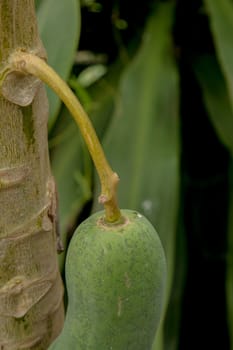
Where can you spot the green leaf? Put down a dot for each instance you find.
(38, 3)
(59, 26)
(142, 142)
(221, 21)
(216, 98)
(91, 74)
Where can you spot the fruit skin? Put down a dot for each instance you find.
(115, 278)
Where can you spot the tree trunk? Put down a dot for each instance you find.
(31, 291)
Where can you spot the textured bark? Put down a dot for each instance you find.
(31, 291)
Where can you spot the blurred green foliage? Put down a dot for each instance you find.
(156, 80)
(59, 26)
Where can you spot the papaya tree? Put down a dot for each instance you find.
(31, 289)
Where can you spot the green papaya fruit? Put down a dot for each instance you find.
(115, 275)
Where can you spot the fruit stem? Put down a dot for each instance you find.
(29, 63)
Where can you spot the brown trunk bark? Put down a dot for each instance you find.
(31, 291)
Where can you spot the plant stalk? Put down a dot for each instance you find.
(31, 288)
(28, 63)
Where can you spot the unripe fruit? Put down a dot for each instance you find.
(115, 277)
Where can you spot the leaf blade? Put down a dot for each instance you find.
(221, 22)
(216, 97)
(59, 26)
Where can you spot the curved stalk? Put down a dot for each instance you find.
(28, 63)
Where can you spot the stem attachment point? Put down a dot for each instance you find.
(30, 64)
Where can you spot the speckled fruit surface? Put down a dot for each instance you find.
(115, 277)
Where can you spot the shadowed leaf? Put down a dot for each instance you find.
(59, 26)
(216, 98)
(221, 22)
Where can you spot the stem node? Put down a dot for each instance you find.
(29, 63)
